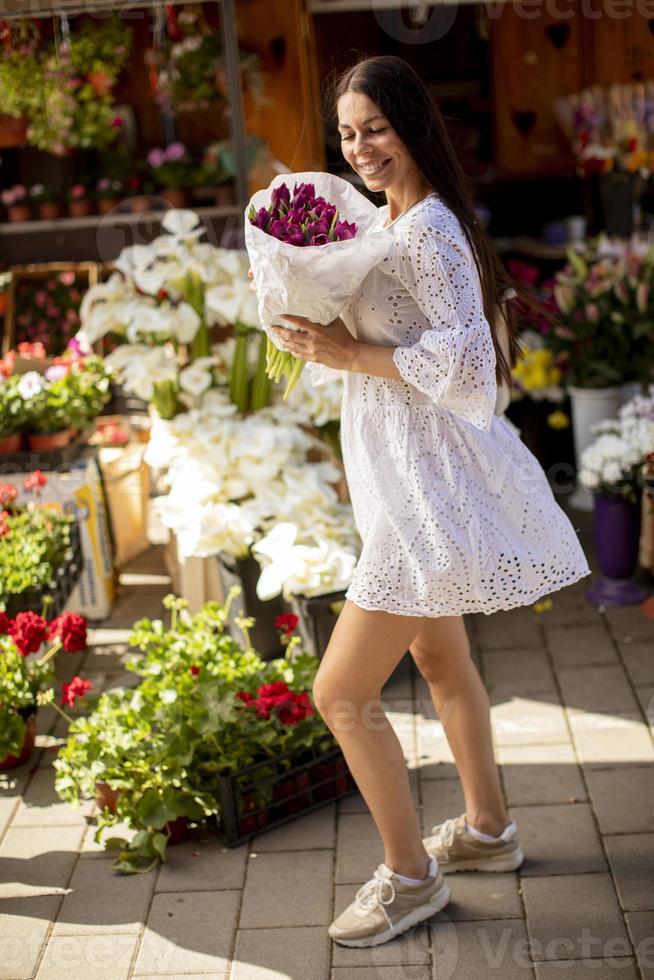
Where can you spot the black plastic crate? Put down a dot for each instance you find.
(264, 635)
(317, 615)
(276, 790)
(66, 577)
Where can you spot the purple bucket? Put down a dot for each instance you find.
(617, 540)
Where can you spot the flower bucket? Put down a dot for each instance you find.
(617, 543)
(589, 406)
(12, 761)
(245, 572)
(317, 615)
(12, 443)
(41, 442)
(269, 793)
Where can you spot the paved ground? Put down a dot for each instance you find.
(571, 691)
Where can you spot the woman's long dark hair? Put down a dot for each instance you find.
(393, 85)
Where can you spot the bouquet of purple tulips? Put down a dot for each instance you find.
(317, 282)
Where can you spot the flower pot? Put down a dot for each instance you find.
(107, 204)
(42, 442)
(49, 210)
(106, 797)
(13, 131)
(225, 195)
(589, 406)
(318, 615)
(176, 197)
(177, 830)
(140, 203)
(4, 303)
(11, 761)
(19, 212)
(12, 443)
(79, 209)
(617, 542)
(263, 635)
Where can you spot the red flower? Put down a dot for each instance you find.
(5, 623)
(287, 622)
(70, 627)
(35, 480)
(273, 690)
(28, 631)
(77, 688)
(194, 670)
(632, 144)
(245, 697)
(4, 528)
(8, 493)
(162, 294)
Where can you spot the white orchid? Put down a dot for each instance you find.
(197, 378)
(141, 367)
(232, 302)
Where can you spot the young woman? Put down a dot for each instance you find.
(455, 514)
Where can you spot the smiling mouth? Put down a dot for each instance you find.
(370, 170)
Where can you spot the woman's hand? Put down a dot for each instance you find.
(332, 344)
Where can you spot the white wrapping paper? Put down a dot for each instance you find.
(315, 282)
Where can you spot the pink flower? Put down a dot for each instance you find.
(175, 151)
(117, 122)
(67, 278)
(156, 157)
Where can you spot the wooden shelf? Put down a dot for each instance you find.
(108, 220)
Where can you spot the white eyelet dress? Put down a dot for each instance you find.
(455, 513)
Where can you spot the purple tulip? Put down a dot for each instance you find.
(344, 231)
(294, 235)
(315, 228)
(319, 240)
(261, 219)
(303, 194)
(281, 195)
(278, 229)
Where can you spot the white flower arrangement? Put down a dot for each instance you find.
(290, 567)
(613, 463)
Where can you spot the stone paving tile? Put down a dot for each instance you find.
(639, 662)
(559, 839)
(540, 774)
(597, 688)
(183, 976)
(407, 951)
(381, 973)
(41, 807)
(604, 740)
(434, 754)
(24, 925)
(7, 806)
(314, 830)
(506, 671)
(529, 721)
(479, 951)
(629, 622)
(570, 607)
(441, 799)
(189, 933)
(580, 646)
(35, 861)
(204, 864)
(566, 912)
(631, 857)
(515, 628)
(92, 849)
(301, 953)
(288, 892)
(400, 683)
(623, 799)
(645, 697)
(641, 931)
(484, 896)
(611, 969)
(359, 849)
(100, 901)
(100, 957)
(14, 781)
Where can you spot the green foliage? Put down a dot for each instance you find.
(164, 742)
(20, 680)
(13, 413)
(37, 542)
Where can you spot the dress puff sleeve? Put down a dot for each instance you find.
(454, 360)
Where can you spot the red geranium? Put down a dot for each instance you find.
(28, 631)
(8, 493)
(287, 622)
(35, 480)
(70, 627)
(5, 623)
(77, 688)
(194, 670)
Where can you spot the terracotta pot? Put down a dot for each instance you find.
(50, 440)
(19, 212)
(13, 131)
(176, 197)
(4, 303)
(140, 203)
(107, 204)
(49, 210)
(11, 761)
(12, 443)
(106, 797)
(79, 209)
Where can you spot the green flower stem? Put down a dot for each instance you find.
(238, 378)
(49, 654)
(297, 367)
(260, 394)
(61, 712)
(195, 298)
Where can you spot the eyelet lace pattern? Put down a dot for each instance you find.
(455, 513)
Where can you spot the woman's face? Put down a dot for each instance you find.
(370, 144)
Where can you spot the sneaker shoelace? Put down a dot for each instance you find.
(443, 835)
(377, 891)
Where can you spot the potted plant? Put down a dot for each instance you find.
(214, 175)
(16, 201)
(47, 201)
(612, 469)
(206, 709)
(64, 400)
(173, 171)
(26, 676)
(5, 282)
(108, 193)
(13, 414)
(79, 201)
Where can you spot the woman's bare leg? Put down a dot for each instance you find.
(441, 651)
(363, 651)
